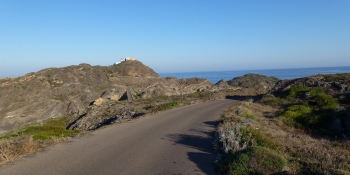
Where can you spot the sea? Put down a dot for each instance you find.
(215, 76)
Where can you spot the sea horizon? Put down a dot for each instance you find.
(287, 73)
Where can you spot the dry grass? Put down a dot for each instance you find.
(306, 153)
(19, 147)
(30, 139)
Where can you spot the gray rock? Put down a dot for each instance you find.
(324, 84)
(347, 88)
(307, 95)
(239, 110)
(95, 119)
(340, 86)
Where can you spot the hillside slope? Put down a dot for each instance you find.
(68, 91)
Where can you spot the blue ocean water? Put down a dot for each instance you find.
(215, 76)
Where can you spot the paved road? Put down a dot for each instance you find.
(171, 142)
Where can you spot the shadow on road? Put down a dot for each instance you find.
(211, 123)
(201, 141)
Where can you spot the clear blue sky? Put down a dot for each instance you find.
(174, 35)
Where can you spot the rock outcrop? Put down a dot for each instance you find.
(69, 91)
(257, 84)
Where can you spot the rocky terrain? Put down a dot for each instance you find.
(326, 95)
(295, 123)
(71, 91)
(301, 126)
(258, 84)
(77, 93)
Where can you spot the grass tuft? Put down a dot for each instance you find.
(253, 160)
(170, 105)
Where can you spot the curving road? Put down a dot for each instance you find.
(178, 141)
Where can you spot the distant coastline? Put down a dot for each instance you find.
(290, 73)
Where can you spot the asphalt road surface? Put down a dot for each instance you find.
(177, 142)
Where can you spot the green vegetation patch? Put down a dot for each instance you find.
(50, 129)
(248, 114)
(271, 100)
(253, 160)
(47, 132)
(296, 90)
(326, 101)
(303, 116)
(315, 91)
(297, 116)
(170, 105)
(254, 137)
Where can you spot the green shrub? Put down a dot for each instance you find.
(326, 102)
(294, 115)
(253, 160)
(170, 105)
(248, 114)
(252, 135)
(296, 90)
(272, 100)
(301, 116)
(315, 91)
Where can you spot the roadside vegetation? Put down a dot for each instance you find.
(32, 138)
(243, 148)
(301, 130)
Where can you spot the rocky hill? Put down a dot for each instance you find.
(133, 68)
(89, 96)
(69, 91)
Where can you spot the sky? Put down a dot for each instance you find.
(174, 35)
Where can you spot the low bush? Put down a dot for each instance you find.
(315, 91)
(253, 160)
(295, 115)
(302, 116)
(272, 100)
(248, 114)
(296, 90)
(229, 138)
(326, 101)
(255, 138)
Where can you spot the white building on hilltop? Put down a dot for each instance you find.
(125, 59)
(130, 59)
